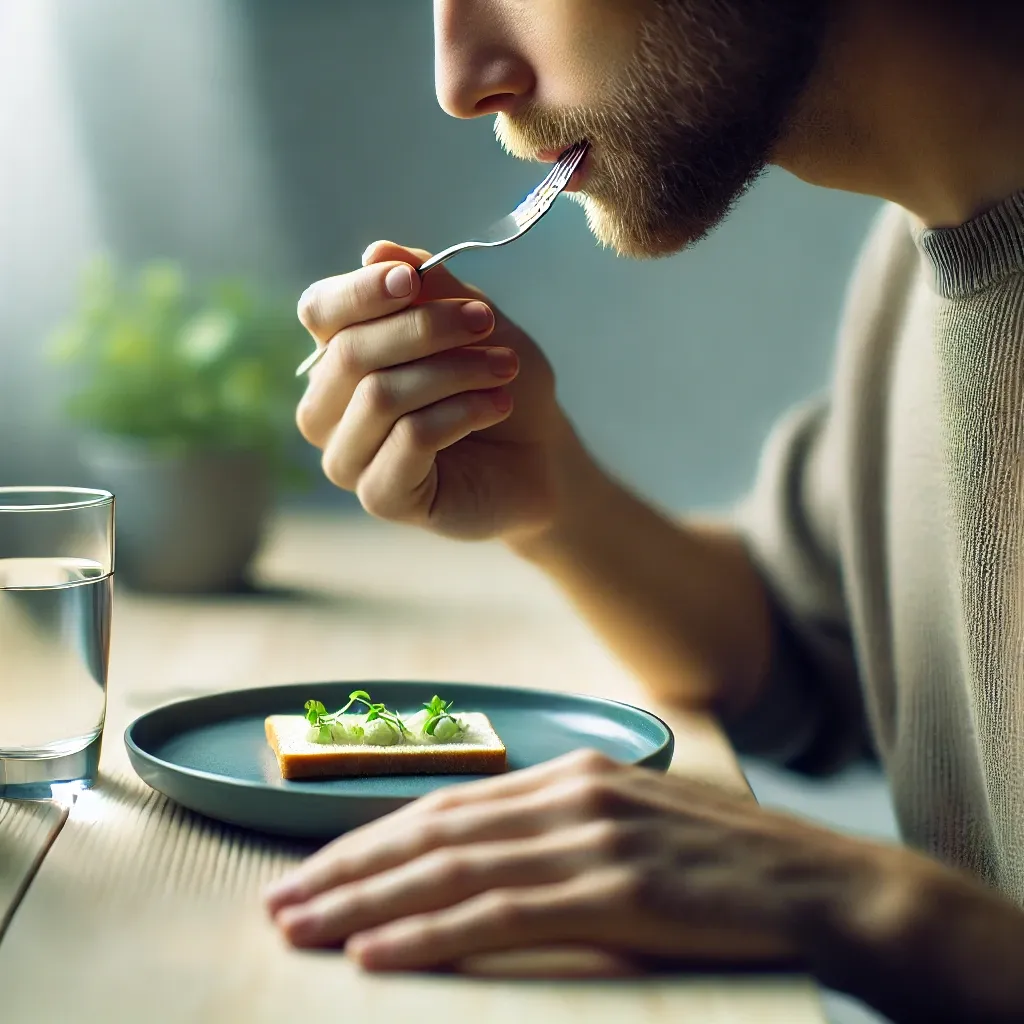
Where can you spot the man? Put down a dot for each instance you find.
(868, 592)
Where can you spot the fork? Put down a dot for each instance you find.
(506, 230)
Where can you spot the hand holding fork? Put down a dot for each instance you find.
(429, 404)
(506, 230)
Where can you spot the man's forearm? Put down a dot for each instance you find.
(680, 604)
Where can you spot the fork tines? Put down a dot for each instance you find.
(540, 199)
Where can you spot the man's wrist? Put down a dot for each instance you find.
(579, 488)
(882, 898)
(914, 939)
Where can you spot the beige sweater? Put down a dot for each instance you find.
(888, 520)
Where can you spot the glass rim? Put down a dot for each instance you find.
(88, 497)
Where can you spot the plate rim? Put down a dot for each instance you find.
(134, 750)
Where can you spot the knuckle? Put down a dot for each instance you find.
(306, 419)
(326, 306)
(503, 908)
(591, 762)
(419, 323)
(332, 471)
(310, 309)
(375, 501)
(613, 840)
(592, 796)
(438, 800)
(641, 888)
(416, 433)
(377, 393)
(368, 291)
(430, 835)
(346, 355)
(448, 869)
(432, 810)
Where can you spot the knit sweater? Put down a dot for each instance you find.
(888, 523)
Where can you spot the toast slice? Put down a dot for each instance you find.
(479, 751)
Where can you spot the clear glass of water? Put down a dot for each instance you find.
(56, 590)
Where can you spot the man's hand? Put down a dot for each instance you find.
(579, 851)
(431, 406)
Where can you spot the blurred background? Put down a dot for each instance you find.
(221, 154)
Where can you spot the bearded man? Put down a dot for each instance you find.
(867, 593)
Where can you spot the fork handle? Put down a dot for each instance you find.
(442, 257)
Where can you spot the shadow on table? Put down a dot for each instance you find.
(119, 789)
(583, 964)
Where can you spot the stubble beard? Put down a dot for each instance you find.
(690, 126)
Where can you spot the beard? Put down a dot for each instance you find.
(692, 122)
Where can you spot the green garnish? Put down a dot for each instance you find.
(318, 717)
(314, 712)
(437, 712)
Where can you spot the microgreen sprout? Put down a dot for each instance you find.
(438, 711)
(318, 717)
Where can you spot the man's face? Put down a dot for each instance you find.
(683, 101)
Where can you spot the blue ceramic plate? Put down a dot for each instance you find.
(210, 754)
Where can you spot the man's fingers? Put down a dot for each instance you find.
(404, 836)
(440, 879)
(358, 354)
(400, 483)
(507, 807)
(525, 780)
(382, 398)
(383, 250)
(497, 920)
(438, 283)
(331, 305)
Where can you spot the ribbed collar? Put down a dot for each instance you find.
(976, 255)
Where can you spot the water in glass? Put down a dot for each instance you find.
(54, 641)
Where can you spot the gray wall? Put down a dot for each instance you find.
(280, 138)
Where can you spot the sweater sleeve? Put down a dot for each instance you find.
(809, 715)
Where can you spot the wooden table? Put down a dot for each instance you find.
(131, 908)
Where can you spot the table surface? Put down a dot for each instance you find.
(130, 907)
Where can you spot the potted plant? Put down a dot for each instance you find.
(186, 393)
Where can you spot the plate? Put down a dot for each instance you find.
(210, 754)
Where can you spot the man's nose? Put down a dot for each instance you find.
(477, 72)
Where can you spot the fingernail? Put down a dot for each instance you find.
(502, 361)
(297, 925)
(477, 316)
(367, 951)
(399, 282)
(355, 947)
(502, 401)
(365, 258)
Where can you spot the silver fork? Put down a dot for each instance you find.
(506, 230)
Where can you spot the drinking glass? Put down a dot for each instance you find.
(56, 589)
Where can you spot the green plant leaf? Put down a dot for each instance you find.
(68, 343)
(314, 711)
(207, 336)
(184, 365)
(162, 283)
(437, 711)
